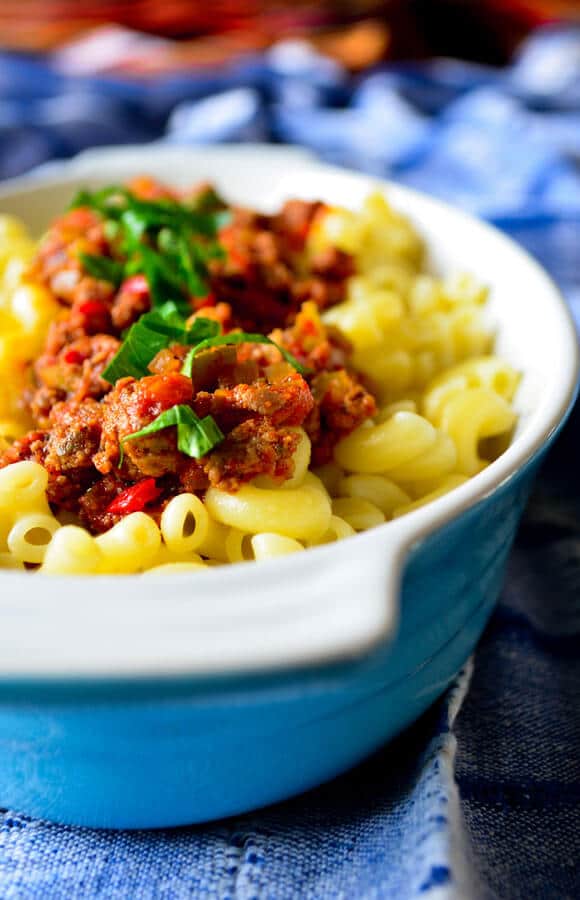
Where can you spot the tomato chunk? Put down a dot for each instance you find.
(92, 308)
(74, 358)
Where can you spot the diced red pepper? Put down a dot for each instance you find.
(134, 498)
(74, 358)
(93, 308)
(209, 300)
(310, 328)
(136, 284)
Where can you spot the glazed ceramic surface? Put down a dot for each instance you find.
(131, 703)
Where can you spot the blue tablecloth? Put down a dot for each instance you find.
(482, 796)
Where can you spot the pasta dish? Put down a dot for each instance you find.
(187, 383)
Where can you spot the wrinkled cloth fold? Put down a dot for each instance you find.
(481, 797)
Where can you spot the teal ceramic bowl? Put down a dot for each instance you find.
(137, 703)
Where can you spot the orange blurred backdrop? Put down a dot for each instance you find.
(357, 32)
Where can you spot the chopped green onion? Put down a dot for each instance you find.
(195, 436)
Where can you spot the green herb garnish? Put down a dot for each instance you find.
(171, 243)
(153, 332)
(195, 436)
(237, 337)
(103, 267)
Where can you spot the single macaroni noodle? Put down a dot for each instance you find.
(301, 513)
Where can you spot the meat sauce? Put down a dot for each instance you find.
(261, 283)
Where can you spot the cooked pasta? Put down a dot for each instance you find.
(379, 448)
(377, 489)
(130, 545)
(302, 512)
(337, 528)
(23, 489)
(73, 551)
(436, 461)
(268, 546)
(445, 485)
(176, 568)
(184, 523)
(358, 513)
(481, 372)
(301, 378)
(213, 545)
(29, 537)
(471, 416)
(238, 546)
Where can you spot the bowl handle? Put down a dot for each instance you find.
(333, 603)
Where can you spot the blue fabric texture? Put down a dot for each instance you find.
(482, 796)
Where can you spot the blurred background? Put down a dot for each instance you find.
(474, 101)
(440, 94)
(194, 34)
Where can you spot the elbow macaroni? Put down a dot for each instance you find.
(26, 311)
(300, 513)
(420, 341)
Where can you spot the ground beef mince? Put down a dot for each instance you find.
(285, 402)
(58, 262)
(73, 373)
(132, 300)
(343, 404)
(256, 447)
(128, 408)
(264, 276)
(65, 449)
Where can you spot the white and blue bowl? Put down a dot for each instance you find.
(136, 702)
